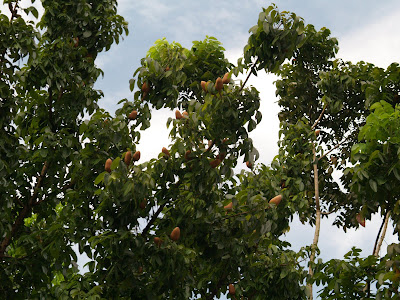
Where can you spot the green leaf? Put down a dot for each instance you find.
(373, 185)
(99, 178)
(87, 34)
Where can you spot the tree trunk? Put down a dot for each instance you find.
(317, 221)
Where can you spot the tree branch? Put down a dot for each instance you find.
(384, 225)
(328, 213)
(334, 147)
(153, 219)
(317, 221)
(320, 116)
(248, 76)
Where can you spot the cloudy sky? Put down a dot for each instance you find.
(367, 30)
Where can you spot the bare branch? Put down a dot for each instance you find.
(378, 245)
(325, 154)
(248, 76)
(328, 213)
(317, 221)
(153, 219)
(319, 118)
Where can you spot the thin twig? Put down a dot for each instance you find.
(329, 212)
(153, 219)
(334, 147)
(248, 76)
(319, 118)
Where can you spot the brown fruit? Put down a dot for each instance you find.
(136, 156)
(226, 79)
(187, 155)
(221, 156)
(144, 95)
(276, 200)
(107, 166)
(203, 86)
(218, 84)
(158, 241)
(178, 115)
(175, 234)
(165, 151)
(232, 289)
(145, 87)
(360, 220)
(132, 115)
(140, 270)
(76, 41)
(142, 204)
(333, 160)
(215, 163)
(185, 114)
(249, 164)
(317, 132)
(128, 157)
(228, 207)
(283, 183)
(166, 69)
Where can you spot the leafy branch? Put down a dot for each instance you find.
(24, 212)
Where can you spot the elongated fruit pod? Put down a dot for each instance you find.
(221, 156)
(132, 115)
(228, 207)
(203, 86)
(128, 157)
(276, 200)
(218, 84)
(175, 234)
(187, 155)
(136, 156)
(178, 115)
(107, 166)
(142, 204)
(226, 79)
(215, 163)
(165, 151)
(158, 241)
(232, 289)
(145, 87)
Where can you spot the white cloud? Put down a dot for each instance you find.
(377, 43)
(151, 10)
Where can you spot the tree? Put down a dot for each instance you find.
(183, 224)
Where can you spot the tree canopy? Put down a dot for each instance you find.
(183, 225)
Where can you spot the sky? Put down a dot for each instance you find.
(366, 30)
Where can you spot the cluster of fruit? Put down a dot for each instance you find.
(127, 159)
(219, 83)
